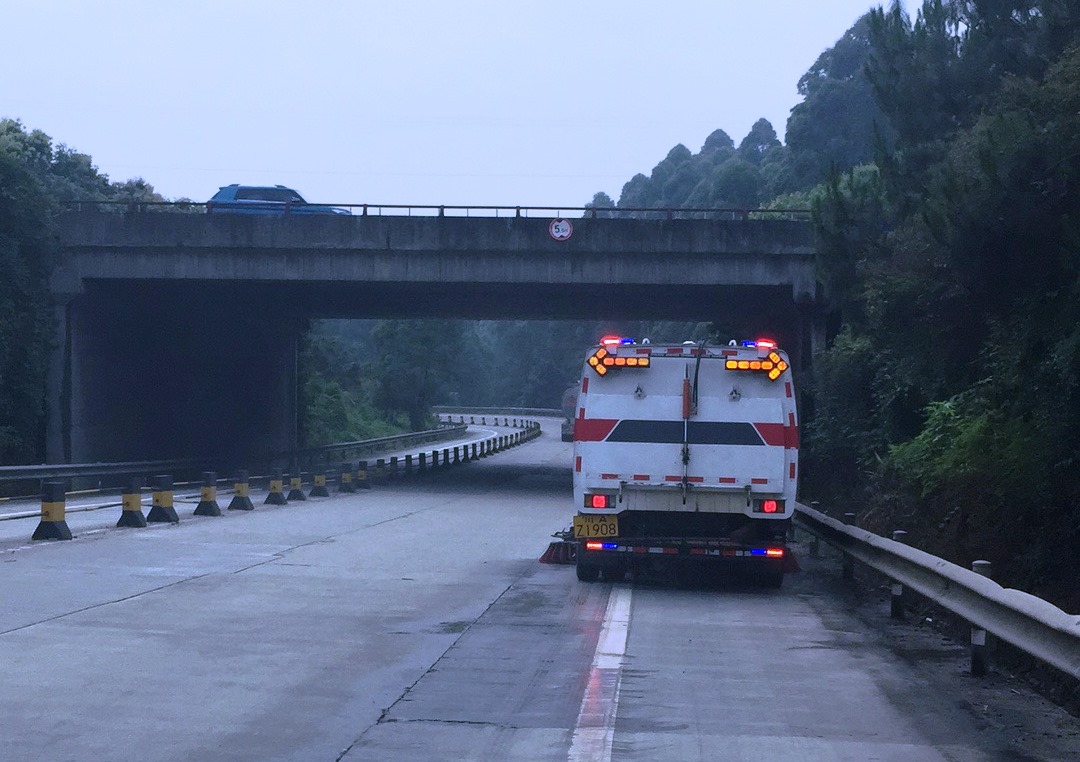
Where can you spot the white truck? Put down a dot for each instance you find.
(685, 454)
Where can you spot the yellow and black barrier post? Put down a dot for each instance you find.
(296, 487)
(276, 495)
(53, 524)
(131, 514)
(362, 480)
(241, 493)
(208, 505)
(161, 508)
(345, 478)
(318, 488)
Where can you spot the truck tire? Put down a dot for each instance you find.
(587, 572)
(773, 577)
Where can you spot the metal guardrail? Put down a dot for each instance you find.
(521, 411)
(452, 210)
(1031, 624)
(303, 458)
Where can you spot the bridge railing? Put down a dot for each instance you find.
(1031, 624)
(473, 210)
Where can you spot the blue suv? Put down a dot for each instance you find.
(272, 200)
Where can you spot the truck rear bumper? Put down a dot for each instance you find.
(616, 552)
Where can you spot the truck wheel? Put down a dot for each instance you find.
(773, 578)
(613, 574)
(587, 572)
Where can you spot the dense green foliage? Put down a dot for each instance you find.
(36, 179)
(950, 403)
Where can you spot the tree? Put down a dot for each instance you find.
(838, 124)
(760, 140)
(26, 256)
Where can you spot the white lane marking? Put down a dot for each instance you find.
(595, 729)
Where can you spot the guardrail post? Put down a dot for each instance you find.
(394, 466)
(53, 524)
(473, 456)
(241, 493)
(277, 490)
(362, 481)
(457, 455)
(896, 596)
(408, 465)
(131, 514)
(422, 462)
(296, 487)
(979, 646)
(345, 478)
(848, 571)
(318, 488)
(162, 509)
(380, 469)
(208, 505)
(815, 547)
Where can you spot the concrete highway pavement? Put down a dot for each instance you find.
(412, 622)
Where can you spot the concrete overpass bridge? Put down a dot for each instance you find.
(177, 333)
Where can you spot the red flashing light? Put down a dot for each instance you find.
(769, 506)
(600, 501)
(765, 344)
(611, 341)
(594, 546)
(774, 552)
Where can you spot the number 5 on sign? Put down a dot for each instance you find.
(560, 229)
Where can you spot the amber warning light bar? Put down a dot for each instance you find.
(772, 364)
(602, 360)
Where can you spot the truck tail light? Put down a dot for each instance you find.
(769, 505)
(598, 501)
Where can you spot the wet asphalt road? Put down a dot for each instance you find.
(412, 622)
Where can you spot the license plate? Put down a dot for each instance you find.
(590, 526)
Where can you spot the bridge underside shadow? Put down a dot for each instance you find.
(157, 370)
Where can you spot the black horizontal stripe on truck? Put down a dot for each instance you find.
(697, 432)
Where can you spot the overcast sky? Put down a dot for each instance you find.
(506, 102)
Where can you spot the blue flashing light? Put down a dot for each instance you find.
(749, 344)
(610, 546)
(757, 551)
(627, 341)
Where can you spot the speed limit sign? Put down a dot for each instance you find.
(560, 229)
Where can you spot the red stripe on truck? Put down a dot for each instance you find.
(641, 477)
(779, 435)
(592, 429)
